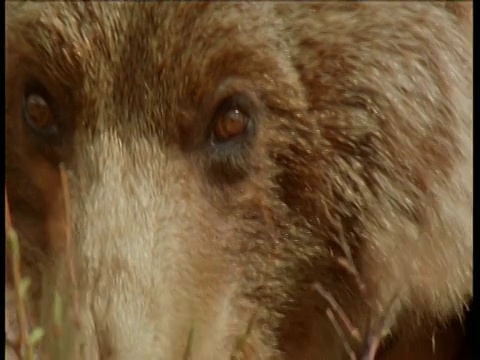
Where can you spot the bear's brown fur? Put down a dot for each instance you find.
(355, 183)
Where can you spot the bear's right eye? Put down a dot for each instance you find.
(38, 115)
(233, 121)
(230, 124)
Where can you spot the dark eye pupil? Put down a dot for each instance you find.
(230, 124)
(38, 115)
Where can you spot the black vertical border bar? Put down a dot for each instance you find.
(3, 157)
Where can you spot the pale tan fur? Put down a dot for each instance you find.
(363, 146)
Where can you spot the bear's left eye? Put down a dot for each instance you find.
(38, 115)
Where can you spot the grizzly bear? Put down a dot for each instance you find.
(244, 180)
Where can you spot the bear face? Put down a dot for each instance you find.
(237, 166)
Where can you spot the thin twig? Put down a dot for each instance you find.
(349, 264)
(69, 246)
(375, 336)
(354, 332)
(341, 333)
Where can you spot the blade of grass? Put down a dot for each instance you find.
(240, 343)
(188, 349)
(17, 283)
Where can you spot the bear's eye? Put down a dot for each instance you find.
(231, 121)
(39, 116)
(230, 124)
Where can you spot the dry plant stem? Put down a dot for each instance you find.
(17, 278)
(375, 336)
(340, 333)
(188, 348)
(372, 344)
(68, 244)
(353, 331)
(241, 341)
(14, 345)
(349, 264)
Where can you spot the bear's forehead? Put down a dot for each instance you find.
(116, 26)
(161, 43)
(154, 59)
